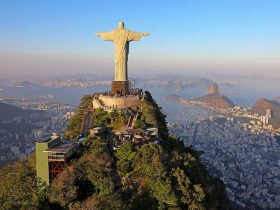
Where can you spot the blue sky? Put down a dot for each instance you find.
(52, 36)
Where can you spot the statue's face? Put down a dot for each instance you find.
(121, 25)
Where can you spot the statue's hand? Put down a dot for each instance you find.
(145, 34)
(97, 34)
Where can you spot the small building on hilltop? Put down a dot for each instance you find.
(52, 155)
(96, 131)
(137, 136)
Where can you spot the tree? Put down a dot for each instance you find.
(153, 115)
(154, 175)
(19, 188)
(63, 189)
(111, 202)
(125, 155)
(97, 167)
(100, 118)
(86, 101)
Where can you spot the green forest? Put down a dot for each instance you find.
(149, 176)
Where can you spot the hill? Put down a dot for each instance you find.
(162, 175)
(260, 107)
(211, 100)
(8, 111)
(262, 104)
(215, 101)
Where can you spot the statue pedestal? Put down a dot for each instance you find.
(119, 88)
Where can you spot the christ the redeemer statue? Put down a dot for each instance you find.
(121, 38)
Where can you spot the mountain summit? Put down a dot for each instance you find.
(213, 89)
(125, 166)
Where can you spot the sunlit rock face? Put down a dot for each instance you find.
(213, 89)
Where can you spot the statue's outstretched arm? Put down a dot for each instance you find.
(136, 36)
(106, 36)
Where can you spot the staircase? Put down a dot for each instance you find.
(132, 119)
(87, 122)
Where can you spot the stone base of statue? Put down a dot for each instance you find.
(120, 88)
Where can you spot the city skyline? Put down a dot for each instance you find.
(52, 37)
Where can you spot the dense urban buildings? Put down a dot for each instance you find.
(19, 133)
(242, 150)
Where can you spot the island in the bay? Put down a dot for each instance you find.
(116, 153)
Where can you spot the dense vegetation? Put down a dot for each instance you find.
(75, 122)
(18, 187)
(101, 118)
(151, 176)
(151, 116)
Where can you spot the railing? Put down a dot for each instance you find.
(56, 157)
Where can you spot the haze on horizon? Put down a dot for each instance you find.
(57, 37)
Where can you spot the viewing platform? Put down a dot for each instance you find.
(109, 102)
(52, 155)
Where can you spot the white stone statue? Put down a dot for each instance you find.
(121, 38)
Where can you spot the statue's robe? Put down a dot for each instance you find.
(121, 39)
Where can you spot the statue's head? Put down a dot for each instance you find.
(121, 25)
